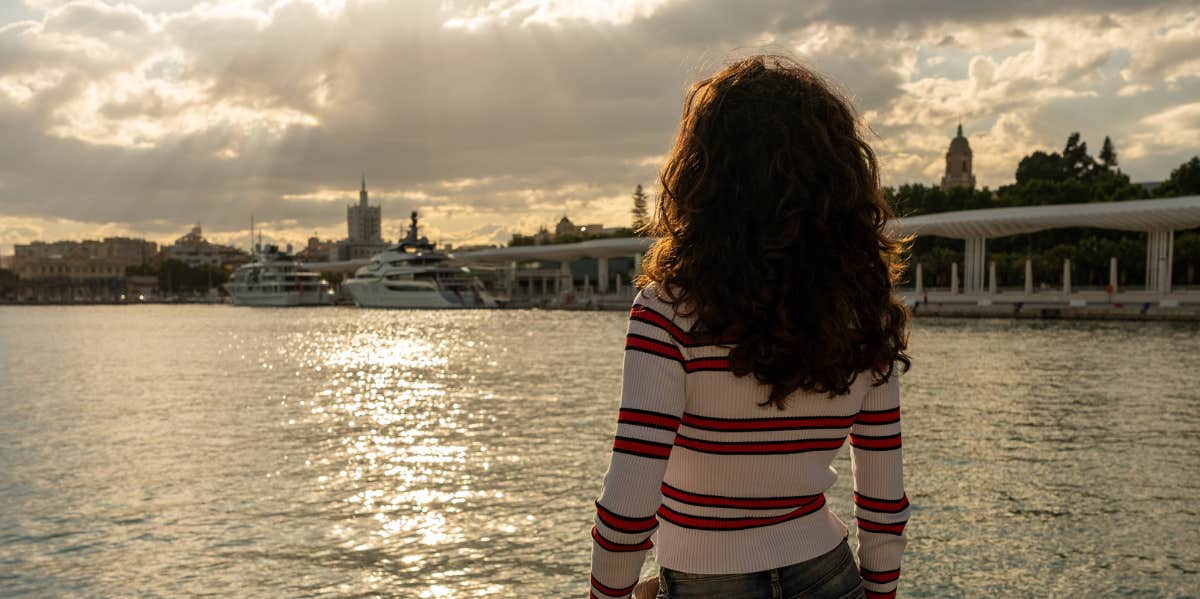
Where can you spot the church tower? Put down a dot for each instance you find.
(958, 163)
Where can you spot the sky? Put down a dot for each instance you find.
(145, 117)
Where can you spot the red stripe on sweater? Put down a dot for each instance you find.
(879, 527)
(881, 505)
(653, 346)
(642, 448)
(706, 364)
(651, 317)
(765, 447)
(759, 424)
(705, 523)
(878, 417)
(623, 523)
(648, 316)
(646, 418)
(875, 443)
(888, 595)
(749, 503)
(881, 577)
(611, 591)
(616, 547)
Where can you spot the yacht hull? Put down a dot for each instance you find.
(375, 294)
(279, 300)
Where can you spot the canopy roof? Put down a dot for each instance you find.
(1139, 215)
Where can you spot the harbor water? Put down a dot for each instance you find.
(212, 450)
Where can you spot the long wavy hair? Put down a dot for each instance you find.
(772, 231)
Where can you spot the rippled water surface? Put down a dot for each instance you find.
(181, 450)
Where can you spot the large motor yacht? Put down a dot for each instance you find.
(277, 279)
(415, 275)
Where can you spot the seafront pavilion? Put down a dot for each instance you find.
(1158, 218)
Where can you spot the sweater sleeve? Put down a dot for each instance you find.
(652, 403)
(880, 504)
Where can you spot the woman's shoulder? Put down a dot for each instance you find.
(657, 298)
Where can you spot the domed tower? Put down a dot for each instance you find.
(958, 163)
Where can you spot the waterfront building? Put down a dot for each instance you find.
(195, 251)
(565, 227)
(364, 228)
(958, 163)
(128, 251)
(318, 250)
(73, 277)
(120, 250)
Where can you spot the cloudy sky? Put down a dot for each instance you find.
(142, 117)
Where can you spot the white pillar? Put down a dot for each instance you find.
(1028, 276)
(587, 282)
(1151, 264)
(974, 264)
(992, 278)
(920, 280)
(969, 266)
(953, 277)
(1160, 252)
(1066, 276)
(618, 286)
(1112, 273)
(602, 275)
(564, 277)
(637, 264)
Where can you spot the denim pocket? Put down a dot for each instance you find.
(831, 576)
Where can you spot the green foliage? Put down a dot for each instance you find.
(640, 211)
(1108, 154)
(8, 282)
(1076, 162)
(1040, 166)
(1184, 180)
(177, 277)
(1187, 258)
(519, 239)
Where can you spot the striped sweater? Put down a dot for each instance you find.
(717, 484)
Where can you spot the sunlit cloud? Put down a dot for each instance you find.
(497, 116)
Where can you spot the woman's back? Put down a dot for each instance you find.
(741, 486)
(766, 336)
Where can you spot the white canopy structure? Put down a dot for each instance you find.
(1158, 218)
(1144, 215)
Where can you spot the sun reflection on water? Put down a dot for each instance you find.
(401, 448)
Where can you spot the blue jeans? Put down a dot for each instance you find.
(830, 576)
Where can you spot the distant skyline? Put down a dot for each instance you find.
(145, 117)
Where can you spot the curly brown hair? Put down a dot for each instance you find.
(772, 231)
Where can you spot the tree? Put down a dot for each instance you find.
(1108, 154)
(1077, 164)
(640, 212)
(1184, 180)
(1040, 166)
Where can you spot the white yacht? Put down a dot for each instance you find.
(277, 279)
(415, 275)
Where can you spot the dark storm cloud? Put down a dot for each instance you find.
(124, 114)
